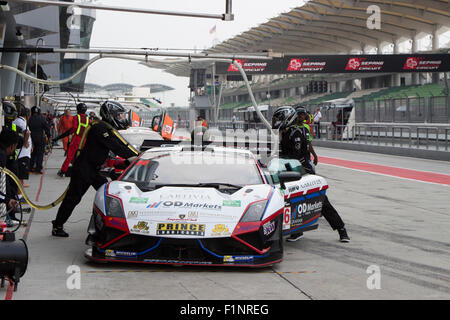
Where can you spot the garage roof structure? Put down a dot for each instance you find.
(332, 27)
(340, 26)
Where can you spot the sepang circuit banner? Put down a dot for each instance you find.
(386, 63)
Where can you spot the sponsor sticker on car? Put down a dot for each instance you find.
(237, 258)
(141, 227)
(138, 200)
(188, 229)
(231, 203)
(132, 214)
(287, 218)
(220, 230)
(268, 228)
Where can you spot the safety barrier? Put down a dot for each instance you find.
(421, 137)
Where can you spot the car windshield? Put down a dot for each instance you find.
(207, 169)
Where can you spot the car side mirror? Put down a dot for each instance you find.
(288, 177)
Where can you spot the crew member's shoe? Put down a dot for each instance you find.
(295, 236)
(343, 235)
(60, 173)
(58, 231)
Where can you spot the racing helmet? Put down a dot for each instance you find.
(283, 118)
(115, 114)
(35, 110)
(9, 111)
(81, 108)
(301, 109)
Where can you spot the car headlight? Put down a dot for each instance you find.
(114, 208)
(254, 211)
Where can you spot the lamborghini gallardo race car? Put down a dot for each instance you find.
(216, 206)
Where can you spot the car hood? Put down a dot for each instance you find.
(188, 211)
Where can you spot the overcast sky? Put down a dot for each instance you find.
(131, 30)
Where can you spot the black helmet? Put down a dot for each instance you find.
(9, 110)
(301, 109)
(35, 110)
(81, 108)
(283, 117)
(115, 114)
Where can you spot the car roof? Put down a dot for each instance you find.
(136, 129)
(189, 148)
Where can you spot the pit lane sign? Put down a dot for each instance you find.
(295, 64)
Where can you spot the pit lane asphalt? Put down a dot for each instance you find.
(399, 225)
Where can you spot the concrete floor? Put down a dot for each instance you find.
(398, 225)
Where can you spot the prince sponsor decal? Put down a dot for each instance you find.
(188, 229)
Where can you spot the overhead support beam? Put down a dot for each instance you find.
(361, 22)
(322, 6)
(324, 35)
(311, 14)
(242, 40)
(316, 38)
(227, 16)
(291, 17)
(251, 37)
(397, 6)
(288, 25)
(261, 32)
(351, 28)
(354, 37)
(270, 27)
(309, 41)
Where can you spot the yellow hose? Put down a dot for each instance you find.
(27, 199)
(61, 198)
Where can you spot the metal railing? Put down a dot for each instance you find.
(421, 137)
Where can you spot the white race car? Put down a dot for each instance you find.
(203, 206)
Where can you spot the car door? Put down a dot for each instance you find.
(303, 198)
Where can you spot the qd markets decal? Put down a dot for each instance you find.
(188, 229)
(363, 64)
(305, 209)
(184, 205)
(304, 65)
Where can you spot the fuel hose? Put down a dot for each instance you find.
(62, 196)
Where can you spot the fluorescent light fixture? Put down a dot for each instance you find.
(4, 5)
